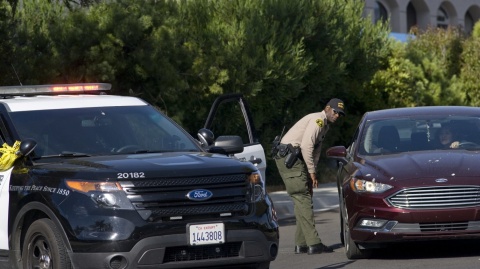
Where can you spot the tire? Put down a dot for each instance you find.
(340, 201)
(351, 248)
(342, 227)
(342, 236)
(44, 248)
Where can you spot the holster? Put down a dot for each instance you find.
(292, 155)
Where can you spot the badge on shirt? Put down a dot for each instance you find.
(319, 123)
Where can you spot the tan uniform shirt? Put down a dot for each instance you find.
(308, 133)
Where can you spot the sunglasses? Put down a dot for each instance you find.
(334, 111)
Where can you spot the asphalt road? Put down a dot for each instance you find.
(438, 254)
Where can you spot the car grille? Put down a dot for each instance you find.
(442, 227)
(195, 253)
(165, 199)
(436, 197)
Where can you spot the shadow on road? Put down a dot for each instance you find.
(429, 250)
(290, 221)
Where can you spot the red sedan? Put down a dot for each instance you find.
(410, 174)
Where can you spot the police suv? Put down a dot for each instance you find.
(101, 181)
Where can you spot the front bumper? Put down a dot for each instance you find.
(413, 225)
(170, 251)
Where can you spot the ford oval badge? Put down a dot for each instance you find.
(199, 195)
(441, 180)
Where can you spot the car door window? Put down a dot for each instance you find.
(230, 115)
(229, 120)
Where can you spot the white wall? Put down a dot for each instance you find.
(426, 12)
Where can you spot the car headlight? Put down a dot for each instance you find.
(106, 194)
(361, 185)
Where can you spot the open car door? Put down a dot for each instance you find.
(230, 115)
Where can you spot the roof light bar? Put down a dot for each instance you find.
(55, 89)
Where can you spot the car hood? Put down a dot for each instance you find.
(426, 164)
(149, 165)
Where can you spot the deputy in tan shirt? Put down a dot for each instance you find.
(308, 134)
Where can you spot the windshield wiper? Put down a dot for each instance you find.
(64, 154)
(141, 151)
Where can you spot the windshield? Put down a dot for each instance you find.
(397, 135)
(101, 131)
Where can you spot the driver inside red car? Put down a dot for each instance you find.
(447, 137)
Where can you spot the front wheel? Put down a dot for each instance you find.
(43, 247)
(342, 227)
(352, 250)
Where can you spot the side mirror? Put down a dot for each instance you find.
(27, 146)
(206, 137)
(230, 144)
(337, 153)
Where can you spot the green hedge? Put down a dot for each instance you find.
(287, 57)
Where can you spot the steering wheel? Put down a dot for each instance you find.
(467, 144)
(128, 148)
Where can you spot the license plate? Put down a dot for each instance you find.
(205, 234)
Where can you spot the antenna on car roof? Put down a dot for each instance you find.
(16, 74)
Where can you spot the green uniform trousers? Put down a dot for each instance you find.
(296, 181)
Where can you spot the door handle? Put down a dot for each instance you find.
(255, 161)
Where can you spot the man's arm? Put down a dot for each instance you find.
(313, 176)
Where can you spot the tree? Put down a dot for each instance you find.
(424, 71)
(7, 26)
(287, 57)
(469, 82)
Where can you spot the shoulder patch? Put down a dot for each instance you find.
(319, 122)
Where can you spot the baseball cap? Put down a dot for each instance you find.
(337, 104)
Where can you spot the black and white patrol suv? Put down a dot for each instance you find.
(104, 181)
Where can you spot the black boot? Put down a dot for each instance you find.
(319, 248)
(301, 249)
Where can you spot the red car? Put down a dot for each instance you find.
(410, 174)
